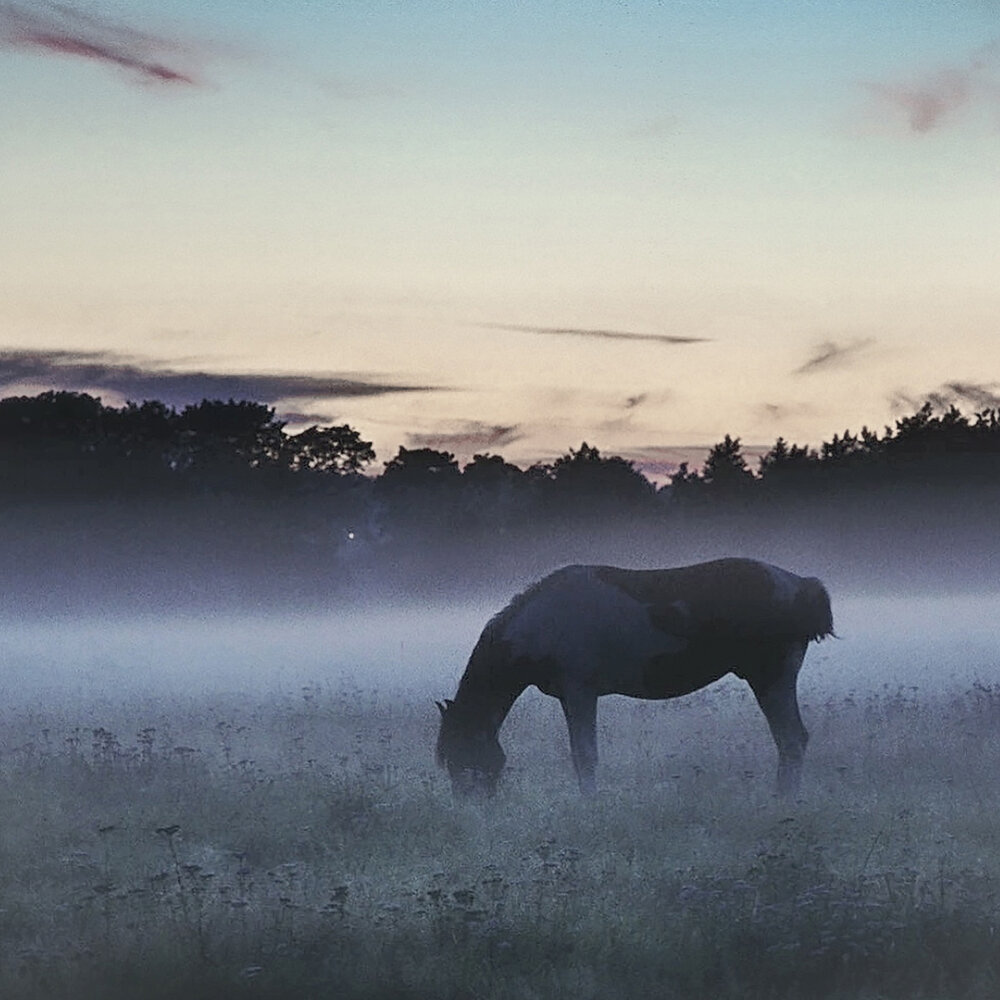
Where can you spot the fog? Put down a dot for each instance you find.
(388, 648)
(930, 643)
(237, 804)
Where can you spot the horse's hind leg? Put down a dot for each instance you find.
(580, 709)
(774, 686)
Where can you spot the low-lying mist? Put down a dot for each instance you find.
(385, 647)
(246, 805)
(927, 642)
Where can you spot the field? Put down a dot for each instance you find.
(186, 836)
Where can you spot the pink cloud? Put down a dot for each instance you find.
(927, 104)
(59, 29)
(930, 101)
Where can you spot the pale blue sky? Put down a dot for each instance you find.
(418, 194)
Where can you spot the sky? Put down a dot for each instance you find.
(507, 227)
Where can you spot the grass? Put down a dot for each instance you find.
(305, 846)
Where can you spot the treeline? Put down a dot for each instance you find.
(947, 451)
(155, 499)
(70, 445)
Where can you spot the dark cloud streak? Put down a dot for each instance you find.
(60, 29)
(985, 397)
(831, 354)
(468, 436)
(978, 395)
(572, 331)
(97, 370)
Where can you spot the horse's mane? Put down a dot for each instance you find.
(518, 601)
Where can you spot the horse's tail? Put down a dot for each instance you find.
(812, 610)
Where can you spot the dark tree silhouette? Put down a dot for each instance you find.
(420, 468)
(726, 469)
(327, 449)
(223, 437)
(59, 419)
(417, 507)
(487, 472)
(141, 427)
(786, 464)
(49, 444)
(585, 482)
(495, 494)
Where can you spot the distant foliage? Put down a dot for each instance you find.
(222, 486)
(68, 444)
(925, 451)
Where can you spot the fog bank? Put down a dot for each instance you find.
(928, 642)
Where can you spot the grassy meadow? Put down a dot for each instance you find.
(303, 844)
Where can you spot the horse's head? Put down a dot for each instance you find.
(469, 749)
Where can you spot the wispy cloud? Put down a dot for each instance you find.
(981, 395)
(833, 354)
(772, 411)
(625, 412)
(660, 127)
(931, 100)
(97, 371)
(302, 419)
(467, 437)
(348, 88)
(574, 331)
(659, 462)
(975, 395)
(60, 29)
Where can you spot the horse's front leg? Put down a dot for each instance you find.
(774, 686)
(580, 709)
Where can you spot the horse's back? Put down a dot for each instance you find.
(732, 596)
(573, 614)
(743, 598)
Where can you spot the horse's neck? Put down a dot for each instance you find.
(488, 697)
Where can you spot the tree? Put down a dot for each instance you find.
(924, 434)
(337, 449)
(495, 493)
(785, 461)
(487, 472)
(142, 427)
(60, 419)
(682, 489)
(48, 443)
(585, 482)
(222, 438)
(725, 468)
(420, 468)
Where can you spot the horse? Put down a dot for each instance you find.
(586, 631)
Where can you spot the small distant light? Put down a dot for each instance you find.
(350, 536)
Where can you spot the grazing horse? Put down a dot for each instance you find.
(585, 631)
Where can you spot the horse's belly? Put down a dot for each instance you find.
(640, 665)
(674, 674)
